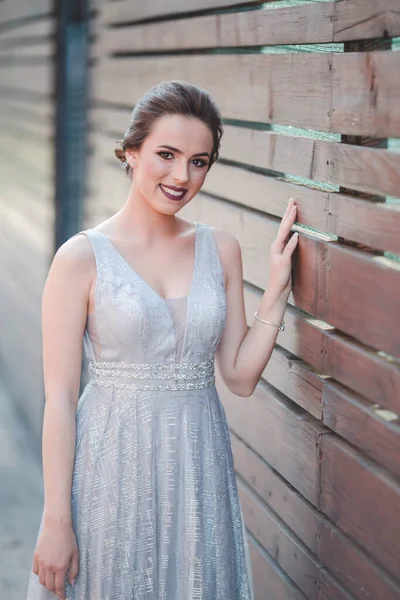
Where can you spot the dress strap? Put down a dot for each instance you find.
(99, 248)
(210, 265)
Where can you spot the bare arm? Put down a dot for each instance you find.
(64, 313)
(243, 353)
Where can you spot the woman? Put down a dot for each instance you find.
(141, 499)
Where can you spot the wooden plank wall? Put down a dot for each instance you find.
(317, 445)
(26, 203)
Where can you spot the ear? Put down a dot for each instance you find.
(131, 156)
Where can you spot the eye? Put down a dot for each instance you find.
(164, 154)
(201, 163)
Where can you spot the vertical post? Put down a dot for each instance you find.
(71, 96)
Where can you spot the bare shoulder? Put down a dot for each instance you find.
(228, 246)
(75, 256)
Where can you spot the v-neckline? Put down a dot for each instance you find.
(144, 282)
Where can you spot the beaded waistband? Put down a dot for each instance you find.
(183, 376)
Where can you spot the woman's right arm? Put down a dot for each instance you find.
(64, 313)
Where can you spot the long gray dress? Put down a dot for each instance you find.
(155, 505)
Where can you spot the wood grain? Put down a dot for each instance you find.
(137, 10)
(295, 25)
(366, 89)
(355, 20)
(269, 580)
(223, 75)
(362, 499)
(284, 500)
(361, 19)
(349, 565)
(367, 426)
(353, 93)
(280, 543)
(371, 170)
(279, 431)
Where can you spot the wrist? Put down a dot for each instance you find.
(273, 299)
(57, 519)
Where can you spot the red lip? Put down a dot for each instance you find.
(170, 196)
(176, 189)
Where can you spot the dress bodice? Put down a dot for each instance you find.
(133, 323)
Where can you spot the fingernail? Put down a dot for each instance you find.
(73, 581)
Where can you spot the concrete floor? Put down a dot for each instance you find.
(21, 502)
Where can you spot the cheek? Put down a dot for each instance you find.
(152, 170)
(198, 176)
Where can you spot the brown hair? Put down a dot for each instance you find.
(169, 98)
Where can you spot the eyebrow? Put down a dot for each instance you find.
(180, 152)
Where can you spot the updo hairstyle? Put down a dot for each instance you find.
(170, 98)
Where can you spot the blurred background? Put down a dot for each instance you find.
(309, 92)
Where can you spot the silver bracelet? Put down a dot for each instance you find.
(281, 327)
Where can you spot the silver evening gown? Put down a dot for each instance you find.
(155, 505)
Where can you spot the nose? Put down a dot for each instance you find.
(181, 172)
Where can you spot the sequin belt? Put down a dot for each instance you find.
(158, 376)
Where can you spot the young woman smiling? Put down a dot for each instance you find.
(141, 501)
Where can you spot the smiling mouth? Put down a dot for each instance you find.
(173, 194)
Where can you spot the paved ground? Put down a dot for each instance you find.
(21, 502)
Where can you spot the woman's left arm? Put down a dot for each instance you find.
(243, 353)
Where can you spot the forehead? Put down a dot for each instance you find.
(181, 132)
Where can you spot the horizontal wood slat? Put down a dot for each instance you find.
(300, 516)
(362, 499)
(296, 380)
(367, 426)
(8, 55)
(333, 548)
(25, 147)
(34, 118)
(322, 91)
(223, 75)
(269, 579)
(289, 553)
(32, 78)
(38, 29)
(374, 224)
(358, 19)
(371, 170)
(366, 90)
(18, 9)
(136, 10)
(284, 435)
(361, 19)
(330, 353)
(295, 25)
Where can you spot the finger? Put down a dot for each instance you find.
(50, 580)
(291, 245)
(59, 584)
(285, 228)
(73, 568)
(288, 210)
(42, 575)
(35, 566)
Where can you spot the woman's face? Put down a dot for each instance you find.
(170, 167)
